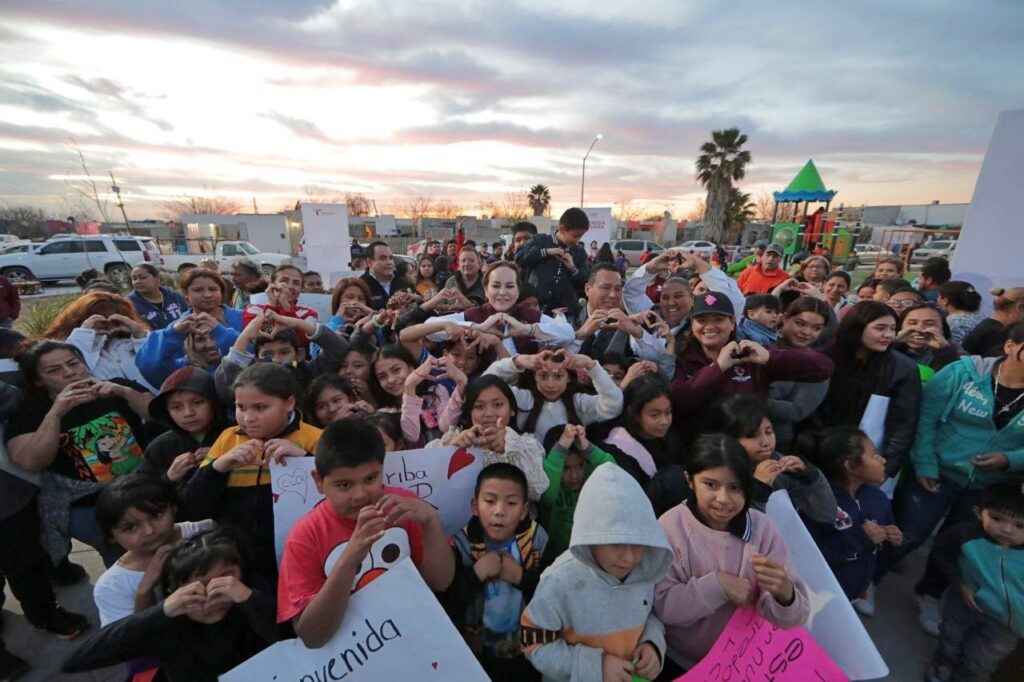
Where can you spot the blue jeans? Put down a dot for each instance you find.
(971, 644)
(917, 513)
(84, 528)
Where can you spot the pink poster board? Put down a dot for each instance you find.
(752, 649)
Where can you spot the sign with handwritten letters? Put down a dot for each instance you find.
(443, 477)
(832, 621)
(750, 649)
(393, 629)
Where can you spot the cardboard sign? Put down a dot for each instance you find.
(752, 649)
(833, 622)
(443, 477)
(328, 244)
(601, 225)
(394, 629)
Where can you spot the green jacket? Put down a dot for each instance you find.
(557, 505)
(955, 424)
(740, 266)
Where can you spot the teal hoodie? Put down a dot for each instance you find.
(579, 611)
(956, 424)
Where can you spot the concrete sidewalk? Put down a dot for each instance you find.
(906, 649)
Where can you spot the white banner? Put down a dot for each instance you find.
(833, 622)
(601, 227)
(327, 245)
(321, 303)
(443, 477)
(394, 629)
(988, 250)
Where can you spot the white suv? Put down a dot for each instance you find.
(66, 257)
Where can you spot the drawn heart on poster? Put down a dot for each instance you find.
(434, 665)
(296, 482)
(461, 459)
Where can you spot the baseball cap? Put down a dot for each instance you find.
(712, 302)
(774, 248)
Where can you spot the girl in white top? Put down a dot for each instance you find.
(137, 512)
(550, 394)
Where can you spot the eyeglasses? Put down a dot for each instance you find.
(902, 302)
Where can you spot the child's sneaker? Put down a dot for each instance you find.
(865, 604)
(11, 667)
(64, 624)
(929, 614)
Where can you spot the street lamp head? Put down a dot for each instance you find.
(600, 136)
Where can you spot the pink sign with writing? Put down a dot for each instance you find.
(750, 649)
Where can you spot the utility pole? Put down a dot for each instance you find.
(120, 204)
(255, 209)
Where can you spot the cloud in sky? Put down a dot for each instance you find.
(468, 100)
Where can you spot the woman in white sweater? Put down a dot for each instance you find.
(549, 394)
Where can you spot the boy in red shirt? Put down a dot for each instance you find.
(354, 535)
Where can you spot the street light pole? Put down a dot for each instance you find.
(583, 176)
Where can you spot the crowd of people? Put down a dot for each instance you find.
(632, 430)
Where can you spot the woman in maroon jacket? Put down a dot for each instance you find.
(713, 364)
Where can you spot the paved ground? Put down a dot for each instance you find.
(905, 648)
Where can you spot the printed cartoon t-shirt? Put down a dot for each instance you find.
(98, 440)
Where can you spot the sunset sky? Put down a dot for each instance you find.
(469, 100)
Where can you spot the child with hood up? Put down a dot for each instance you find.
(591, 617)
(188, 404)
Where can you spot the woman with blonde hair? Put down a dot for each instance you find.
(987, 338)
(108, 332)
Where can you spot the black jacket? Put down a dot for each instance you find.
(187, 650)
(555, 284)
(378, 295)
(899, 381)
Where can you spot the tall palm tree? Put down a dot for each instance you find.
(540, 199)
(738, 210)
(722, 161)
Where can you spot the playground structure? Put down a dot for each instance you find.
(795, 231)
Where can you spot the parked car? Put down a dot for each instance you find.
(869, 250)
(940, 247)
(70, 255)
(701, 247)
(632, 248)
(18, 247)
(225, 253)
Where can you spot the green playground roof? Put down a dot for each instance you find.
(806, 186)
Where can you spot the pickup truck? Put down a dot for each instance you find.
(67, 256)
(225, 253)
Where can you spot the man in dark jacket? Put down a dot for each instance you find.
(380, 275)
(558, 264)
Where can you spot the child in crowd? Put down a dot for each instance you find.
(551, 394)
(282, 344)
(233, 482)
(722, 548)
(487, 415)
(387, 424)
(498, 558)
(863, 521)
(188, 405)
(282, 300)
(745, 418)
(331, 398)
(391, 366)
(198, 339)
(616, 365)
(137, 512)
(591, 616)
(356, 368)
(211, 621)
(325, 550)
(760, 320)
(983, 613)
(570, 460)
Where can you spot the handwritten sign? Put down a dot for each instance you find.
(832, 622)
(752, 649)
(443, 477)
(393, 629)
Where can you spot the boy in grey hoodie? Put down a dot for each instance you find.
(591, 616)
